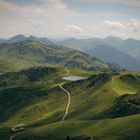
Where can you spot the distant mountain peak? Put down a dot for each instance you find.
(46, 41)
(18, 35)
(33, 38)
(17, 38)
(113, 38)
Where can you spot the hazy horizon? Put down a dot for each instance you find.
(63, 38)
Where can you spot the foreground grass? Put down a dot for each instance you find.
(124, 128)
(40, 106)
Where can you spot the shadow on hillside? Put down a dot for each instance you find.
(81, 138)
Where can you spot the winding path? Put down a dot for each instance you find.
(69, 97)
(68, 104)
(12, 137)
(67, 71)
(67, 107)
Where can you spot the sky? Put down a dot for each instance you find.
(70, 18)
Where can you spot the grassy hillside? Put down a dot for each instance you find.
(28, 76)
(125, 128)
(6, 66)
(33, 52)
(125, 53)
(126, 105)
(95, 101)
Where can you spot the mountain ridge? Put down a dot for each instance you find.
(33, 52)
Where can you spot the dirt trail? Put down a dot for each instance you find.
(67, 107)
(69, 97)
(68, 104)
(12, 137)
(67, 71)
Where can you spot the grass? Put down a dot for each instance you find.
(125, 128)
(41, 106)
(124, 86)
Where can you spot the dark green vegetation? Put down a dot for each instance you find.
(126, 105)
(28, 76)
(105, 106)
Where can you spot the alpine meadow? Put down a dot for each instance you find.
(69, 70)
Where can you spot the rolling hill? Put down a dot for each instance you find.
(33, 52)
(96, 108)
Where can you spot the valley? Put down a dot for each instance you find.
(48, 91)
(77, 109)
(69, 70)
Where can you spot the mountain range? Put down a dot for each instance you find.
(125, 53)
(111, 52)
(22, 52)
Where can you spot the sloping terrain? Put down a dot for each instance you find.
(111, 55)
(33, 52)
(125, 53)
(96, 104)
(125, 128)
(6, 66)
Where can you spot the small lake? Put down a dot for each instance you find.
(73, 78)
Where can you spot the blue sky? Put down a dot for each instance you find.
(70, 18)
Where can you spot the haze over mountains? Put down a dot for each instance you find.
(125, 53)
(22, 52)
(112, 50)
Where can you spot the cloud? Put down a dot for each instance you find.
(124, 2)
(124, 28)
(70, 18)
(134, 24)
(113, 24)
(73, 28)
(25, 2)
(131, 24)
(38, 23)
(57, 4)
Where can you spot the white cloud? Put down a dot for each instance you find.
(59, 18)
(113, 24)
(134, 25)
(124, 28)
(124, 2)
(58, 4)
(131, 24)
(73, 28)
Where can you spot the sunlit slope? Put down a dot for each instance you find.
(6, 66)
(125, 128)
(126, 83)
(91, 98)
(39, 104)
(33, 52)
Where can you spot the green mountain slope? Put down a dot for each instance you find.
(33, 52)
(126, 105)
(95, 101)
(125, 53)
(6, 66)
(125, 128)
